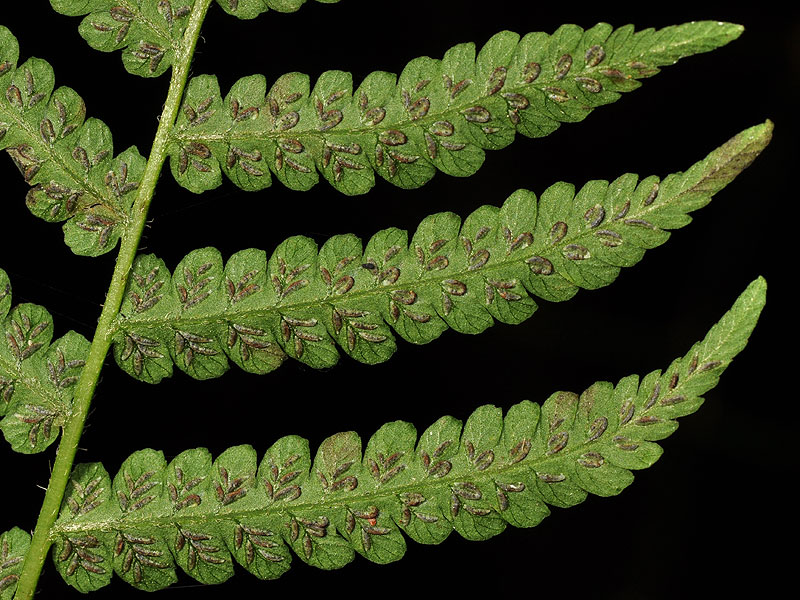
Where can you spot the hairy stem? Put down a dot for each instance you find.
(40, 544)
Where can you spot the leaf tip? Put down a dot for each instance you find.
(744, 314)
(741, 150)
(734, 30)
(758, 135)
(761, 132)
(756, 292)
(728, 32)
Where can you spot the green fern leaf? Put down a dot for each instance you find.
(37, 375)
(148, 33)
(439, 114)
(305, 301)
(250, 9)
(13, 546)
(67, 159)
(203, 514)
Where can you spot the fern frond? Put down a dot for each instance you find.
(14, 544)
(36, 374)
(67, 159)
(439, 114)
(250, 9)
(204, 514)
(304, 301)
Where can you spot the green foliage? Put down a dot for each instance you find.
(439, 114)
(67, 159)
(149, 32)
(305, 301)
(250, 9)
(37, 375)
(13, 546)
(203, 514)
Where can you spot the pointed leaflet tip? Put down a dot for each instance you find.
(729, 31)
(754, 138)
(716, 33)
(737, 29)
(748, 143)
(699, 370)
(673, 43)
(730, 335)
(695, 187)
(735, 155)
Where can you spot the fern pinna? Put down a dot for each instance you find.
(304, 302)
(312, 299)
(205, 514)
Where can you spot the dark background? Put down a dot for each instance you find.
(707, 518)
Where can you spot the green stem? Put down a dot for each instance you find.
(62, 468)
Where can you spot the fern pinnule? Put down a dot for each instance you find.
(67, 159)
(37, 374)
(13, 546)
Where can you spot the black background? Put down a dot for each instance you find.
(706, 518)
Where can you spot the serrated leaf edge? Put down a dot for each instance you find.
(606, 421)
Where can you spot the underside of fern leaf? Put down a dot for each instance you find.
(203, 514)
(13, 546)
(68, 160)
(149, 32)
(439, 114)
(249, 9)
(36, 374)
(305, 301)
